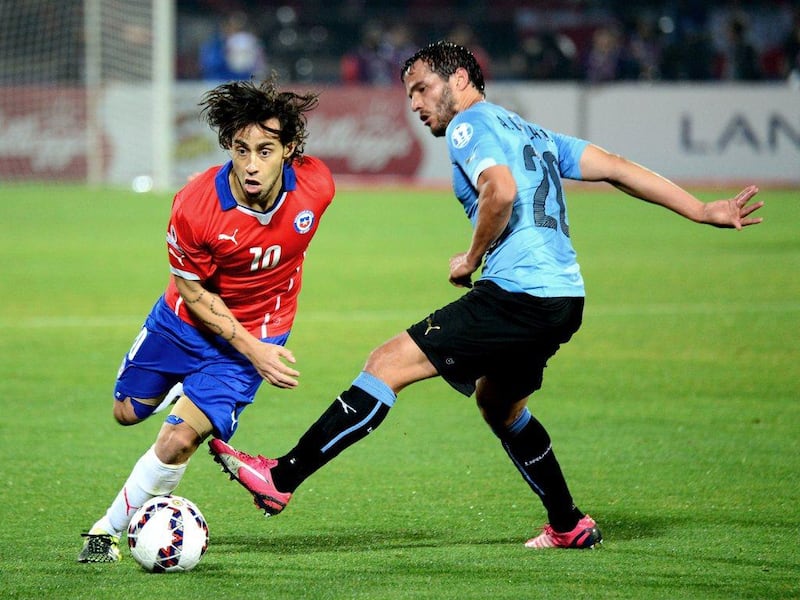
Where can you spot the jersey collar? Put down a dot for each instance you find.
(225, 195)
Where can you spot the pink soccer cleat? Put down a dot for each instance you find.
(584, 536)
(253, 472)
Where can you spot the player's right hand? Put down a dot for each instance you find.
(271, 363)
(460, 271)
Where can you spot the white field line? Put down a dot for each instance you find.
(608, 310)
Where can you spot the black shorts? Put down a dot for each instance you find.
(505, 336)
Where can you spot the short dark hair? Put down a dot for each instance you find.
(230, 107)
(444, 58)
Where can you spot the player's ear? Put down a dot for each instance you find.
(288, 150)
(462, 78)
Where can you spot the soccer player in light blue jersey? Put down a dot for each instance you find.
(496, 339)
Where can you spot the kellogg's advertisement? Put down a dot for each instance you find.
(705, 133)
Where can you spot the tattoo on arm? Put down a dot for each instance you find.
(223, 316)
(196, 300)
(215, 327)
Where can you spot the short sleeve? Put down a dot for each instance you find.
(188, 257)
(472, 156)
(570, 150)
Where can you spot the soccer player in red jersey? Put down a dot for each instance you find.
(236, 241)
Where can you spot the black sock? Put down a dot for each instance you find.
(528, 445)
(350, 418)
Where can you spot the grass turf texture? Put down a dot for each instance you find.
(674, 411)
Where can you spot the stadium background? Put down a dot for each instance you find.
(109, 89)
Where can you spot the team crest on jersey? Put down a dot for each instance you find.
(304, 221)
(461, 135)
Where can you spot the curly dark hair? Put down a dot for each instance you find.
(232, 106)
(444, 58)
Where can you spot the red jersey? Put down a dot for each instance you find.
(252, 259)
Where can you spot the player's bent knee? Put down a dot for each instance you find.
(497, 410)
(130, 411)
(176, 444)
(399, 362)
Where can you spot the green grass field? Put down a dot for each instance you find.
(674, 411)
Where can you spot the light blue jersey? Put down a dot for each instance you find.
(534, 254)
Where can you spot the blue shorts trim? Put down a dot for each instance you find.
(217, 378)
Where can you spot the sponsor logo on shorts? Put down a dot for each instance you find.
(431, 326)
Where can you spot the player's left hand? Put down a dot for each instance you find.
(734, 212)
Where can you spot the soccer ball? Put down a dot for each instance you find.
(168, 533)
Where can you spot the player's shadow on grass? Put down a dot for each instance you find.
(615, 527)
(353, 542)
(624, 527)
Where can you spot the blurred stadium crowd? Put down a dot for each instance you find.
(358, 41)
(362, 41)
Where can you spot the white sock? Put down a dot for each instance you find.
(148, 479)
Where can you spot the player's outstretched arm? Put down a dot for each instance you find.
(633, 179)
